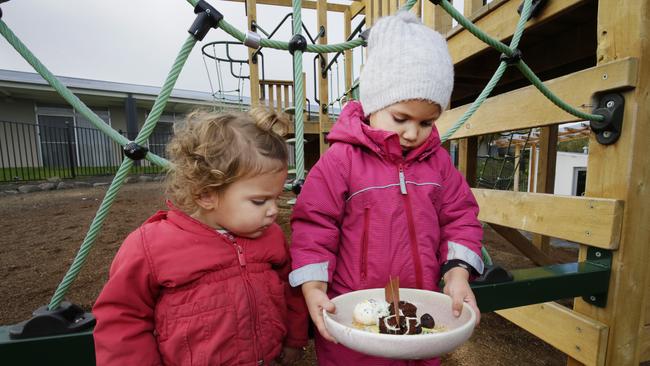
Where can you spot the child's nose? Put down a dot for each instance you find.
(410, 133)
(273, 210)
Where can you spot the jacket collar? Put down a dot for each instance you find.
(352, 127)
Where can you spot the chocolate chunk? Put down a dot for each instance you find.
(427, 321)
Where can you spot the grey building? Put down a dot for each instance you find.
(41, 135)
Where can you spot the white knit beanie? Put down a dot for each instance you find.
(406, 60)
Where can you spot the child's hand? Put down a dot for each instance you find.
(289, 355)
(457, 286)
(317, 300)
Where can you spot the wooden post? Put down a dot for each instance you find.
(251, 10)
(621, 171)
(545, 181)
(349, 79)
(435, 17)
(467, 151)
(532, 168)
(471, 6)
(323, 94)
(515, 183)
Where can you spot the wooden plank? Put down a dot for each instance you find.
(578, 336)
(278, 103)
(525, 246)
(471, 6)
(271, 97)
(287, 100)
(499, 21)
(347, 25)
(593, 221)
(527, 107)
(306, 4)
(323, 92)
(357, 8)
(645, 343)
(393, 6)
(620, 172)
(436, 17)
(251, 10)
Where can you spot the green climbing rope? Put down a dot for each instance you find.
(519, 29)
(162, 98)
(298, 96)
(509, 51)
(120, 176)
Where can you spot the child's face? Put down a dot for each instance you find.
(246, 208)
(412, 120)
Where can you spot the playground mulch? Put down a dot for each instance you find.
(41, 232)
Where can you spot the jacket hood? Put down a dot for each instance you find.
(352, 128)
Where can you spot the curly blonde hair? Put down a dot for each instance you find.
(209, 151)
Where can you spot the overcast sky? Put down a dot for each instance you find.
(136, 41)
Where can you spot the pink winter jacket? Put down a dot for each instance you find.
(367, 212)
(180, 293)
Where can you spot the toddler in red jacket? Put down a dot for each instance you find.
(205, 282)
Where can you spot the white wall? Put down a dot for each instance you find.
(564, 170)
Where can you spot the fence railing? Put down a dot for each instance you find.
(31, 152)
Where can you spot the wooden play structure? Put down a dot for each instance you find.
(592, 55)
(581, 50)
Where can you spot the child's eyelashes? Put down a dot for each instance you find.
(399, 120)
(258, 202)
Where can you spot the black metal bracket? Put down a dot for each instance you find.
(134, 151)
(511, 60)
(435, 2)
(67, 318)
(365, 35)
(493, 274)
(609, 129)
(297, 42)
(296, 186)
(602, 258)
(207, 17)
(537, 6)
(2, 1)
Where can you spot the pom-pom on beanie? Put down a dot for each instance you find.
(406, 60)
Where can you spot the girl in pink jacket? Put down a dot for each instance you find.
(385, 199)
(205, 283)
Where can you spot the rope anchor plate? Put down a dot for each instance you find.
(609, 129)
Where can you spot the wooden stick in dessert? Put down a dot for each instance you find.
(392, 295)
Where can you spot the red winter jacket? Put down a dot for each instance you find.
(180, 293)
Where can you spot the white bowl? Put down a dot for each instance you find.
(417, 346)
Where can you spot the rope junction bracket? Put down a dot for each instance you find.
(252, 40)
(297, 42)
(207, 17)
(609, 129)
(134, 151)
(67, 318)
(2, 1)
(512, 60)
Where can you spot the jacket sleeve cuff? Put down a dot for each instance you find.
(463, 253)
(310, 272)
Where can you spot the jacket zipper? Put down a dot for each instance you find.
(411, 227)
(364, 243)
(250, 296)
